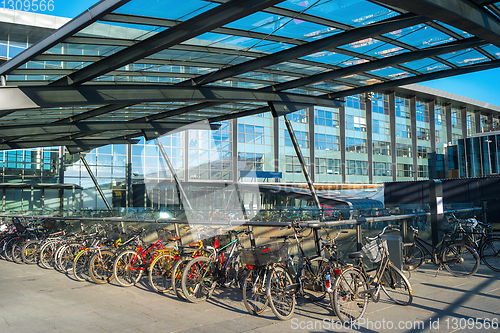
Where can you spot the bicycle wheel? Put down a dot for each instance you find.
(67, 255)
(176, 276)
(314, 279)
(17, 250)
(8, 248)
(460, 260)
(57, 256)
(413, 257)
(160, 272)
(127, 268)
(198, 280)
(254, 291)
(101, 266)
(348, 305)
(490, 253)
(396, 286)
(30, 252)
(280, 293)
(81, 265)
(47, 252)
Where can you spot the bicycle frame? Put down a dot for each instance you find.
(139, 251)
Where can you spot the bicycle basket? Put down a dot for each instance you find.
(459, 238)
(374, 250)
(222, 239)
(249, 257)
(271, 253)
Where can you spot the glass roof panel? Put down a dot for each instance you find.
(389, 72)
(328, 57)
(352, 12)
(297, 68)
(374, 48)
(181, 55)
(465, 57)
(283, 26)
(420, 36)
(119, 31)
(492, 49)
(170, 9)
(464, 34)
(422, 65)
(243, 43)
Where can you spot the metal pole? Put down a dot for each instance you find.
(174, 175)
(95, 181)
(308, 178)
(359, 236)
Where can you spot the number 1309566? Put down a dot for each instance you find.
(28, 5)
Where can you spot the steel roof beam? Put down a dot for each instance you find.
(29, 97)
(207, 21)
(382, 63)
(347, 37)
(416, 79)
(85, 143)
(462, 14)
(83, 20)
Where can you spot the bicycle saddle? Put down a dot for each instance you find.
(355, 255)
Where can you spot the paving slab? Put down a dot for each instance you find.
(40, 300)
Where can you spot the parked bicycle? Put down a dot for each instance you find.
(452, 253)
(354, 286)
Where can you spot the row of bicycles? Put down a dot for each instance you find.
(268, 275)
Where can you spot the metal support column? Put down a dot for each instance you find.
(61, 177)
(392, 121)
(95, 181)
(174, 175)
(369, 136)
(304, 171)
(359, 236)
(436, 206)
(414, 142)
(432, 127)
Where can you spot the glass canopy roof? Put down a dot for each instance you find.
(141, 65)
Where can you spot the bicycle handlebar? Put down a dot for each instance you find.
(383, 231)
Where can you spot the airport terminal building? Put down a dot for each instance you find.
(396, 132)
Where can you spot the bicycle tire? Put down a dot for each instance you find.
(176, 276)
(160, 272)
(8, 248)
(413, 257)
(101, 266)
(17, 250)
(197, 280)
(67, 255)
(396, 286)
(461, 260)
(281, 297)
(57, 256)
(30, 252)
(490, 253)
(254, 291)
(126, 268)
(347, 304)
(314, 279)
(47, 253)
(81, 265)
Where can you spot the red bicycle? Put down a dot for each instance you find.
(129, 265)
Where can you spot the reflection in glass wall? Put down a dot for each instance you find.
(404, 149)
(356, 140)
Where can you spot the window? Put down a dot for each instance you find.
(382, 169)
(356, 145)
(404, 170)
(423, 152)
(356, 102)
(251, 134)
(423, 134)
(456, 119)
(381, 148)
(380, 103)
(326, 118)
(403, 150)
(328, 166)
(252, 161)
(359, 168)
(422, 110)
(423, 171)
(326, 142)
(302, 139)
(381, 127)
(403, 131)
(298, 116)
(355, 123)
(402, 108)
(292, 164)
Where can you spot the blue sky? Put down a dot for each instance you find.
(483, 86)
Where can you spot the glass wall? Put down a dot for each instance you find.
(356, 140)
(327, 162)
(441, 138)
(381, 139)
(423, 140)
(404, 150)
(289, 163)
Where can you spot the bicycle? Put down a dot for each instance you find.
(452, 253)
(353, 285)
(309, 279)
(203, 274)
(481, 237)
(129, 265)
